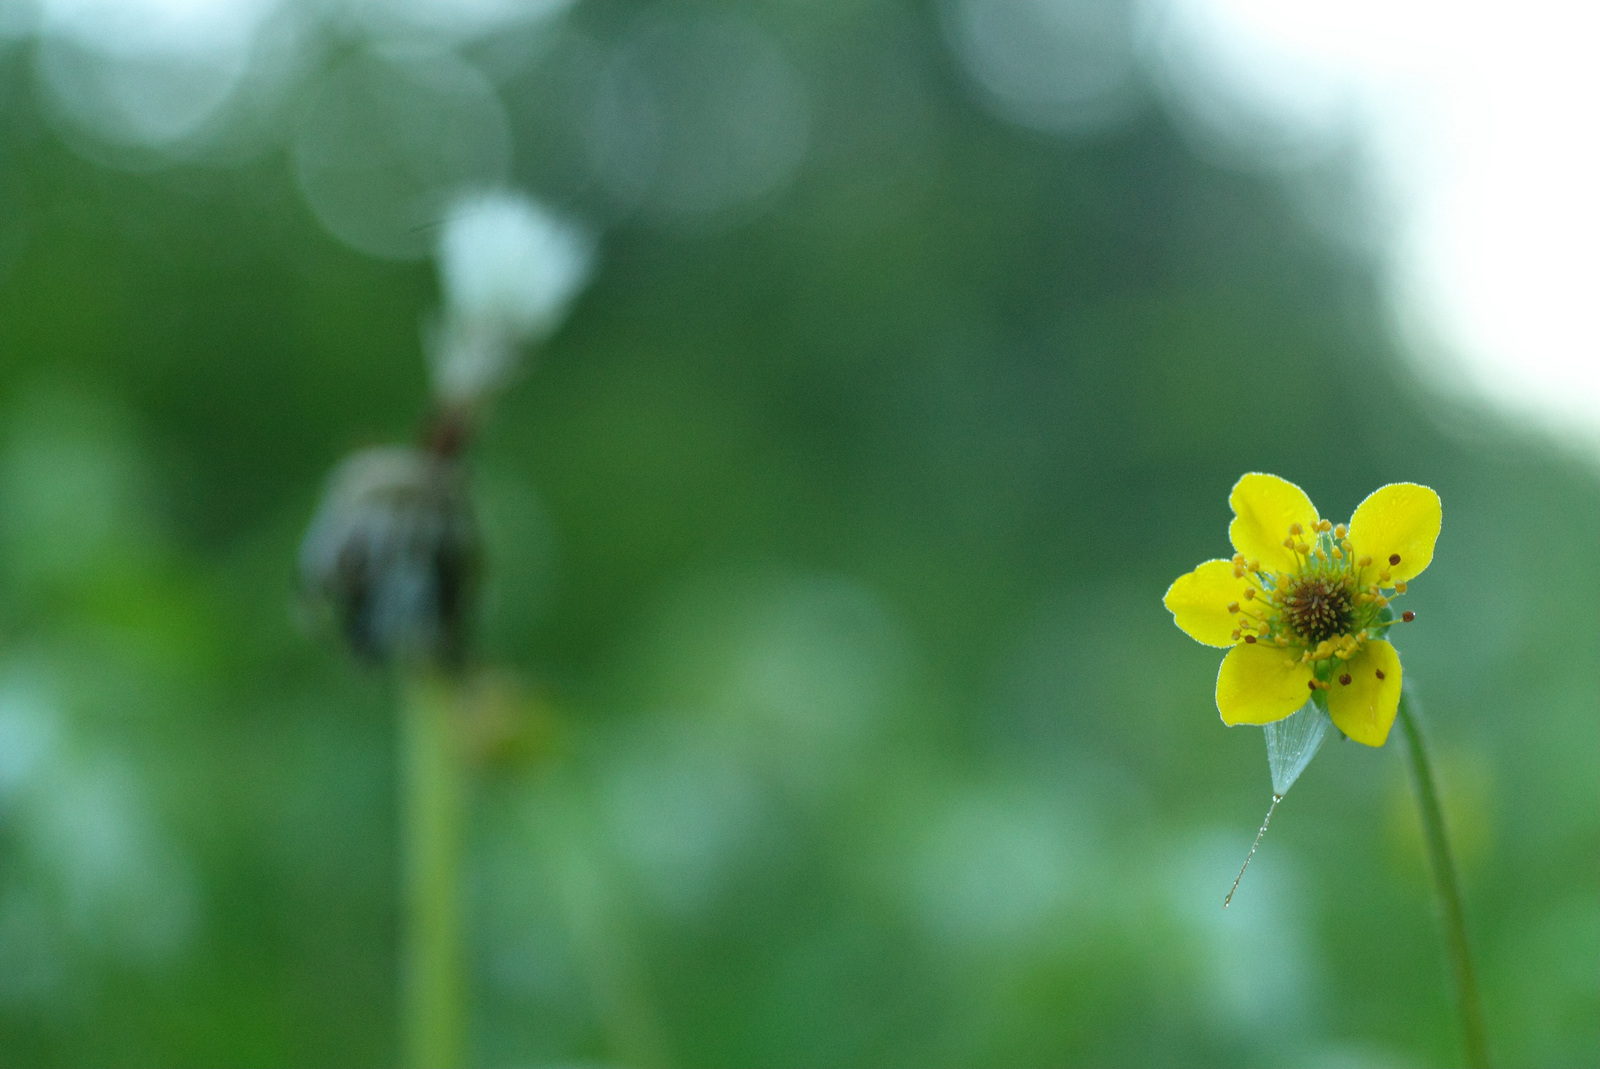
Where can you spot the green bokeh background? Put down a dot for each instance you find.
(826, 553)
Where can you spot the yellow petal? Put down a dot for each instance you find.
(1401, 518)
(1260, 684)
(1364, 708)
(1199, 602)
(1264, 507)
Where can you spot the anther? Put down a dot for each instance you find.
(1324, 525)
(1250, 639)
(1394, 558)
(1399, 588)
(1236, 634)
(1408, 616)
(1344, 680)
(1295, 529)
(1233, 606)
(1339, 531)
(1364, 562)
(1250, 593)
(1288, 543)
(1312, 683)
(1380, 673)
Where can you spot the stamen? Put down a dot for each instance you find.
(1233, 606)
(1380, 673)
(1408, 616)
(1364, 562)
(1295, 529)
(1394, 558)
(1344, 680)
(1250, 594)
(1312, 683)
(1399, 588)
(1339, 531)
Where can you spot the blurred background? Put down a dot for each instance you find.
(838, 719)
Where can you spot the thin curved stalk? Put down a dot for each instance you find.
(1448, 889)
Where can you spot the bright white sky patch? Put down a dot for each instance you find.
(1482, 117)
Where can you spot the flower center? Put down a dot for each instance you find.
(1318, 607)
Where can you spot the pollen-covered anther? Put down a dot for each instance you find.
(1379, 673)
(1288, 543)
(1250, 640)
(1238, 572)
(1383, 577)
(1295, 530)
(1250, 594)
(1238, 558)
(1324, 526)
(1233, 606)
(1339, 531)
(1311, 683)
(1364, 562)
(1236, 634)
(1394, 558)
(1344, 680)
(1338, 554)
(1408, 616)
(1399, 588)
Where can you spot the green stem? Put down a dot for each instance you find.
(432, 990)
(1448, 888)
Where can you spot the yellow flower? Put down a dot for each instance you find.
(1304, 603)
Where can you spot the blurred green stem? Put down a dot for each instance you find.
(432, 995)
(1448, 888)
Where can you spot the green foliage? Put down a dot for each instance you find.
(826, 548)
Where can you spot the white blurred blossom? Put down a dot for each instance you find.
(509, 270)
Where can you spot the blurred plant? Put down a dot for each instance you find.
(393, 556)
(1301, 607)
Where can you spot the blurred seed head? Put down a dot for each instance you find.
(393, 555)
(509, 269)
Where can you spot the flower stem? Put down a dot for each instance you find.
(1448, 888)
(432, 995)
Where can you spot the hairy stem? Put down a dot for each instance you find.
(1448, 888)
(432, 990)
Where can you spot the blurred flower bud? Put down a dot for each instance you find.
(508, 269)
(393, 553)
